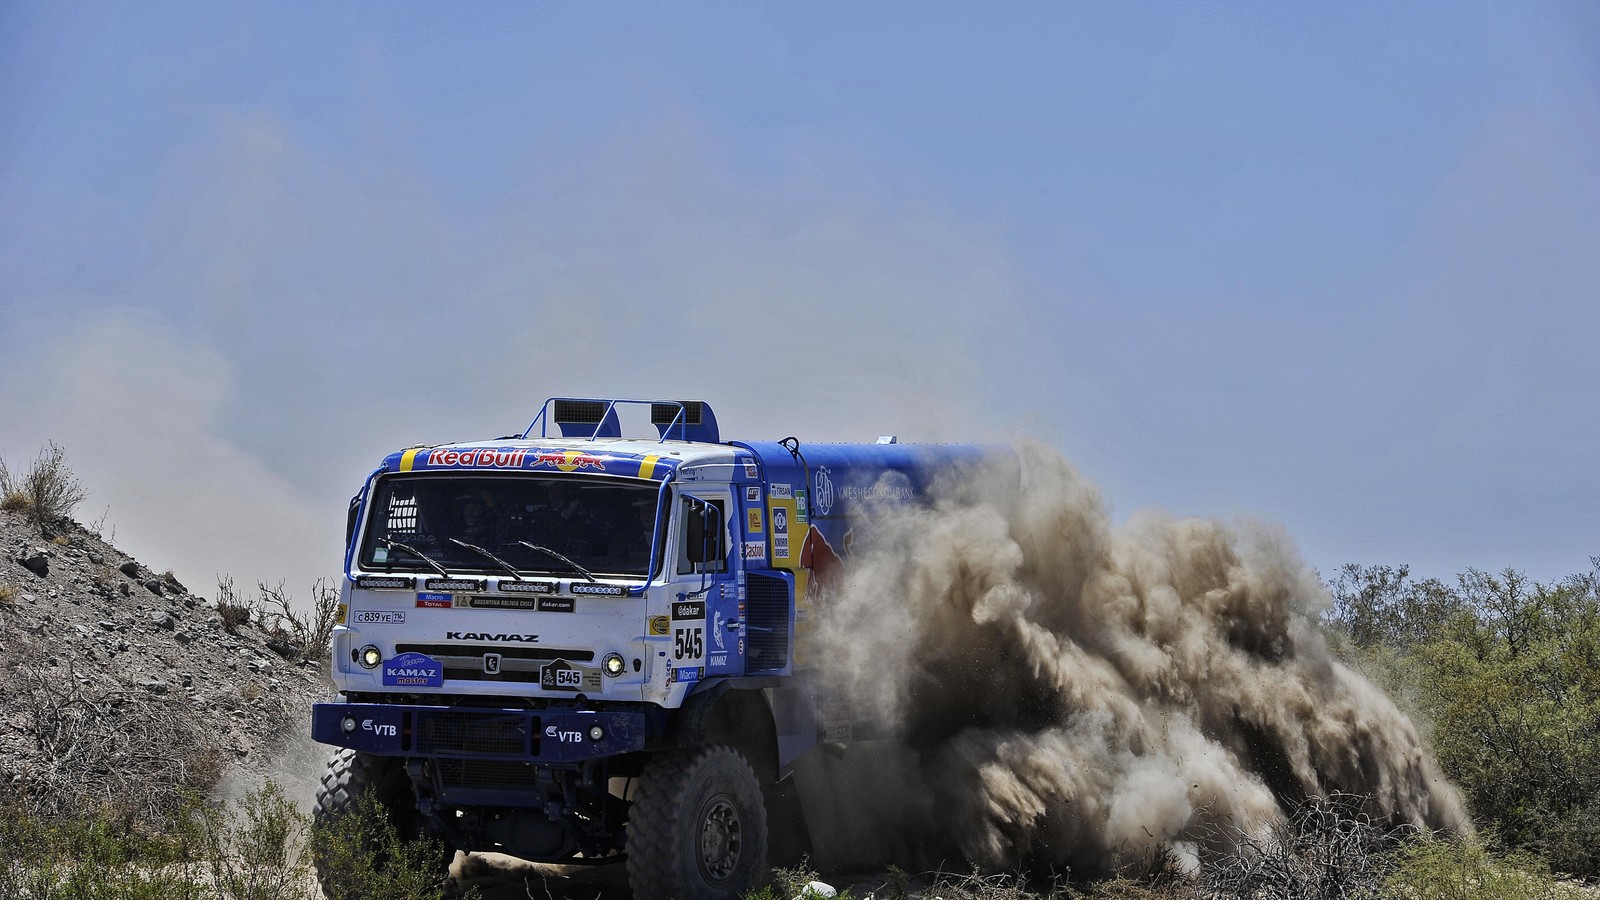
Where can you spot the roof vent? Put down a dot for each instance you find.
(684, 420)
(586, 418)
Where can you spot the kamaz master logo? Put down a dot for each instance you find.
(486, 636)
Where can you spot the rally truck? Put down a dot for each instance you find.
(572, 645)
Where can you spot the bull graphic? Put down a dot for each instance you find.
(825, 563)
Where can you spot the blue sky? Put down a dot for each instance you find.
(1331, 267)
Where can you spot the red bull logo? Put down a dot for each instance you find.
(483, 457)
(570, 461)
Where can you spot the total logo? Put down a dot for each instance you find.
(565, 737)
(570, 461)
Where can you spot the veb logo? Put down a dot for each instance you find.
(822, 496)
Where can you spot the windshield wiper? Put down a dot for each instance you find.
(548, 552)
(396, 545)
(487, 555)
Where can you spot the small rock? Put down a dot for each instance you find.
(183, 637)
(283, 649)
(188, 680)
(107, 625)
(163, 620)
(161, 687)
(122, 588)
(129, 568)
(816, 890)
(35, 561)
(153, 585)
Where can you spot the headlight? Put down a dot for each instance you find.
(369, 657)
(613, 664)
(348, 724)
(596, 732)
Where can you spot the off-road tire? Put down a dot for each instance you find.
(698, 828)
(351, 775)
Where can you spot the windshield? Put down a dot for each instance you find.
(497, 523)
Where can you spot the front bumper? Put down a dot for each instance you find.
(453, 732)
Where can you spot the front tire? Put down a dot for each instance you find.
(698, 828)
(352, 777)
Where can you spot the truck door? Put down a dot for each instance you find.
(705, 576)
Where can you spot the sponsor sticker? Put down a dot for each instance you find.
(719, 659)
(413, 670)
(483, 602)
(750, 470)
(800, 506)
(344, 611)
(755, 550)
(569, 460)
(752, 494)
(688, 673)
(659, 626)
(822, 490)
(479, 457)
(557, 604)
(379, 617)
(434, 601)
(689, 609)
(754, 523)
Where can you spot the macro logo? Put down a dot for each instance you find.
(822, 496)
(569, 461)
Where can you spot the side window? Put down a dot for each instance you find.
(703, 547)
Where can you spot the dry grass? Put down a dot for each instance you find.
(47, 493)
(123, 754)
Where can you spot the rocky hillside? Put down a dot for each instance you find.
(123, 688)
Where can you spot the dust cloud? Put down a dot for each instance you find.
(1063, 693)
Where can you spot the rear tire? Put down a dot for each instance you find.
(698, 828)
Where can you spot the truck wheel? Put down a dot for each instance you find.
(351, 776)
(697, 829)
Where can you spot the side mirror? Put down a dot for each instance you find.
(350, 520)
(705, 532)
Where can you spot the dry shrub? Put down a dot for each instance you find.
(296, 635)
(124, 754)
(233, 610)
(1327, 850)
(47, 494)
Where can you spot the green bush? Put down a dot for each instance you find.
(363, 856)
(1506, 673)
(1431, 869)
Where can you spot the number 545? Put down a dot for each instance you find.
(690, 643)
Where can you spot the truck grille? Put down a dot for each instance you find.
(767, 648)
(464, 662)
(486, 773)
(475, 734)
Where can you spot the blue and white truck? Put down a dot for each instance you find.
(571, 645)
